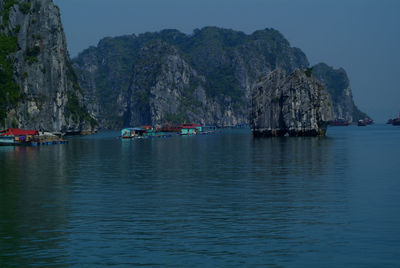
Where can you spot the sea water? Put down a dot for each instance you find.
(222, 200)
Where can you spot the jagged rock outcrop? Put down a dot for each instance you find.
(338, 85)
(295, 104)
(166, 89)
(171, 77)
(39, 86)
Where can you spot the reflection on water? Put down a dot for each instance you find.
(33, 205)
(222, 200)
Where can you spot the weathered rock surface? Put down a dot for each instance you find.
(47, 95)
(295, 104)
(169, 90)
(338, 85)
(171, 77)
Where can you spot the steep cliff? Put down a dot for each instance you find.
(166, 89)
(295, 104)
(171, 77)
(338, 85)
(38, 86)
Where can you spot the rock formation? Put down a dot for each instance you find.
(152, 78)
(38, 86)
(295, 104)
(338, 85)
(205, 77)
(171, 77)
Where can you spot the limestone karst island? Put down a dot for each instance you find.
(208, 133)
(213, 77)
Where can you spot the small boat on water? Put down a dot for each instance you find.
(395, 121)
(339, 122)
(368, 121)
(362, 123)
(7, 140)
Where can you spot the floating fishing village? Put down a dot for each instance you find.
(166, 131)
(20, 137)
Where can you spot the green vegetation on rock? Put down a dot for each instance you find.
(9, 90)
(309, 72)
(72, 76)
(223, 82)
(78, 112)
(177, 118)
(25, 7)
(31, 55)
(222, 64)
(8, 4)
(337, 83)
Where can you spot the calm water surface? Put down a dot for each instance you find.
(222, 200)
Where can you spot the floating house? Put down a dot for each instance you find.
(142, 132)
(166, 130)
(135, 132)
(14, 136)
(171, 128)
(147, 128)
(189, 130)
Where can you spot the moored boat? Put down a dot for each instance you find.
(396, 122)
(368, 121)
(7, 140)
(362, 123)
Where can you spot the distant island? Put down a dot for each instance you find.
(149, 79)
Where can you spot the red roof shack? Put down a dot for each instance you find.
(18, 132)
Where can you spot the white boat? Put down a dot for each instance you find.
(7, 140)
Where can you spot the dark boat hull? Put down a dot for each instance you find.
(396, 122)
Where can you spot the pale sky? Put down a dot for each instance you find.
(361, 36)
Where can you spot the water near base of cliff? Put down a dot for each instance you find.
(204, 201)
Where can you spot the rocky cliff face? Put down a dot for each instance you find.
(168, 76)
(295, 104)
(338, 85)
(169, 90)
(42, 91)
